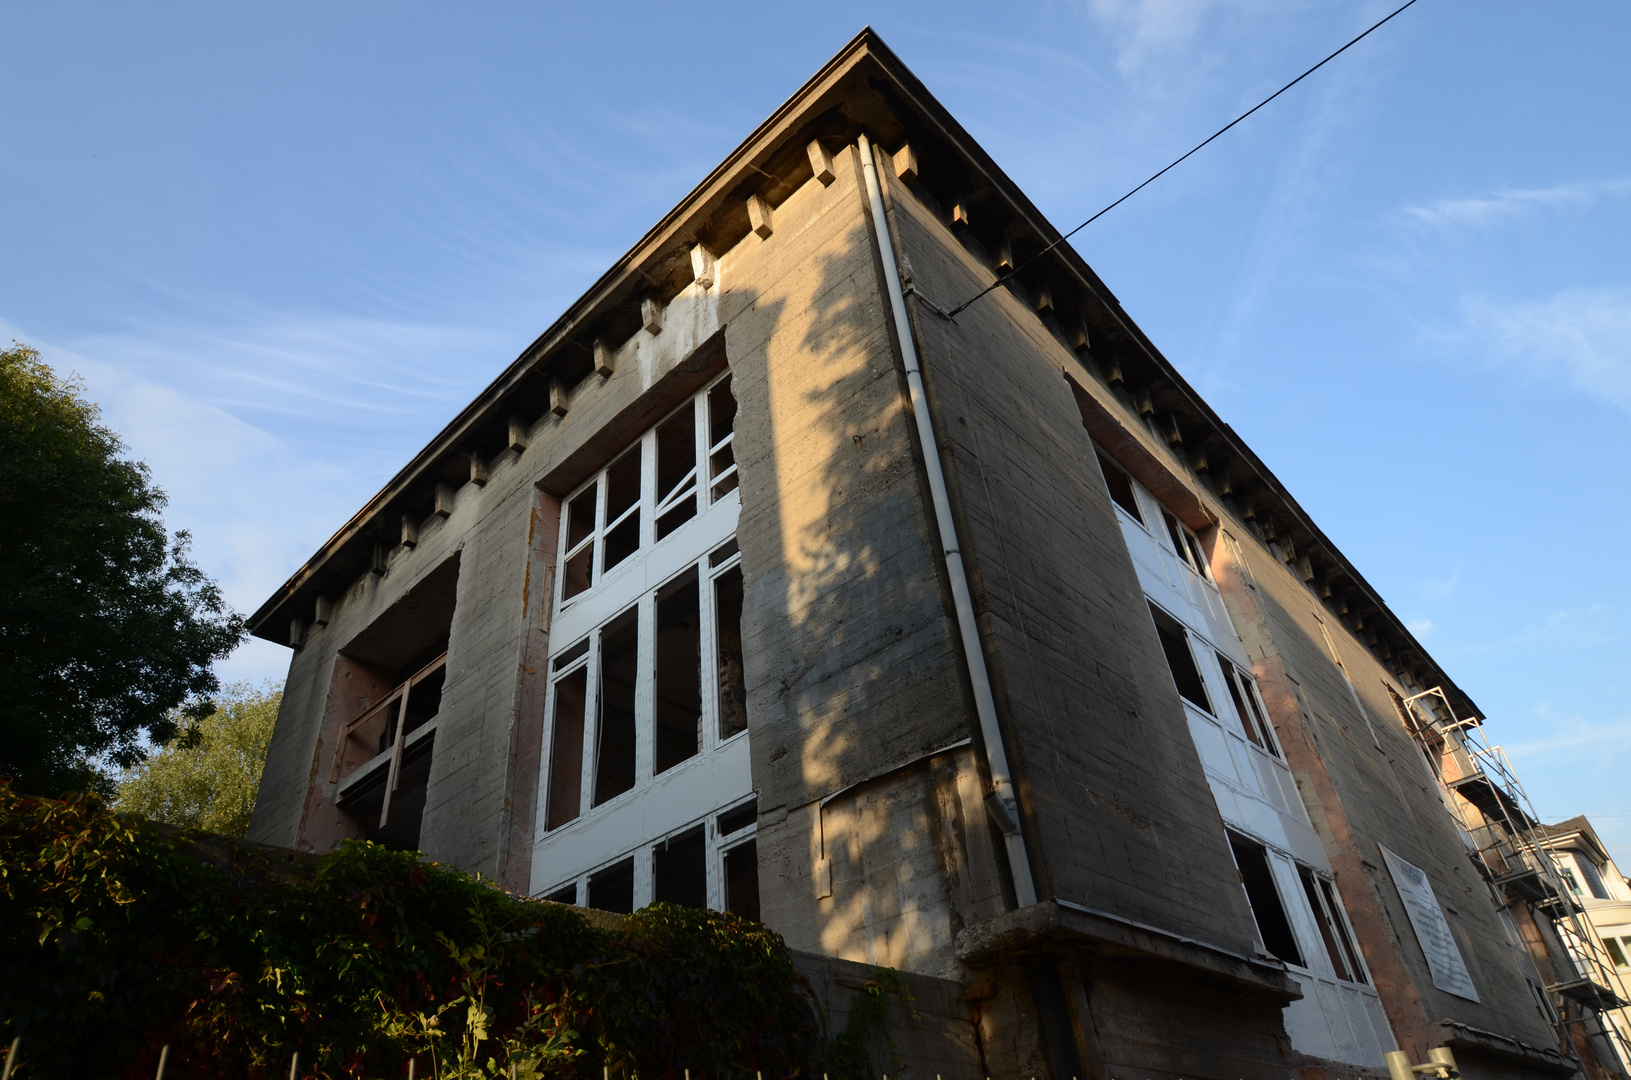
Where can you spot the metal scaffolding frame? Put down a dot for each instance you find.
(1510, 847)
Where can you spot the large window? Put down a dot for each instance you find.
(647, 707)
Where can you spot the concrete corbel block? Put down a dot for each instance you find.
(518, 434)
(478, 470)
(382, 559)
(605, 358)
(959, 213)
(410, 531)
(324, 610)
(651, 314)
(1004, 253)
(557, 397)
(297, 633)
(443, 506)
(821, 163)
(704, 266)
(905, 163)
(1080, 340)
(759, 216)
(1171, 431)
(1044, 297)
(1198, 462)
(1142, 402)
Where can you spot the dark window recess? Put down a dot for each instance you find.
(614, 735)
(1323, 918)
(721, 427)
(1175, 534)
(722, 552)
(566, 894)
(564, 660)
(677, 470)
(1121, 488)
(1349, 949)
(622, 494)
(679, 870)
(580, 518)
(1197, 556)
(1615, 953)
(612, 889)
(738, 818)
(566, 750)
(1248, 722)
(679, 672)
(1588, 869)
(425, 700)
(742, 881)
(1180, 660)
(578, 573)
(733, 694)
(1264, 897)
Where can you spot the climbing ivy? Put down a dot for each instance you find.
(118, 937)
(847, 1055)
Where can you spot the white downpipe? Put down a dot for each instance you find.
(1003, 803)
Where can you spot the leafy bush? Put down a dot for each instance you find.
(121, 936)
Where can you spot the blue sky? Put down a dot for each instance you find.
(284, 244)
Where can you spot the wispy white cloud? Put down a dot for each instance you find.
(1421, 627)
(1508, 204)
(1580, 338)
(1566, 630)
(1574, 737)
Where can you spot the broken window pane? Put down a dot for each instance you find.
(1181, 662)
(566, 751)
(679, 870)
(424, 700)
(1322, 918)
(679, 673)
(612, 889)
(1343, 935)
(1264, 897)
(738, 818)
(742, 880)
(619, 668)
(677, 471)
(1177, 536)
(733, 694)
(1121, 488)
(1197, 554)
(580, 518)
(721, 438)
(622, 497)
(1231, 679)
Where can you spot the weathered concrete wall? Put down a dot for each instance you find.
(852, 669)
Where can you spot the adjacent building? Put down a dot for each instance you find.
(977, 647)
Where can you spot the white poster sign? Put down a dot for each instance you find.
(1444, 960)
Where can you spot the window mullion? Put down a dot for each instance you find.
(645, 695)
(591, 726)
(709, 660)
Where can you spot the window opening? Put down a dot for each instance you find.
(1264, 897)
(1570, 880)
(742, 880)
(721, 554)
(1121, 488)
(721, 438)
(1180, 660)
(679, 673)
(1197, 555)
(1339, 919)
(612, 889)
(578, 569)
(1340, 962)
(738, 818)
(677, 470)
(1251, 715)
(1615, 953)
(1594, 878)
(679, 869)
(622, 508)
(564, 661)
(733, 695)
(614, 731)
(566, 750)
(1175, 536)
(566, 894)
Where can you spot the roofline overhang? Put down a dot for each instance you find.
(688, 223)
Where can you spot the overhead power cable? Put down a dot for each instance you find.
(1009, 276)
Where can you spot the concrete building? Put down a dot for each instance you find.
(983, 649)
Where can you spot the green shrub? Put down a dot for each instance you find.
(120, 936)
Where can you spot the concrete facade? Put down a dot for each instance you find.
(530, 654)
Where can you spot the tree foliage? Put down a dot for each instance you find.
(207, 779)
(238, 956)
(107, 629)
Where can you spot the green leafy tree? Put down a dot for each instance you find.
(107, 629)
(208, 778)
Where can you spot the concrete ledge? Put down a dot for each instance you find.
(1054, 926)
(1461, 1037)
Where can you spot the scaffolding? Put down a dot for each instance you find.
(1511, 850)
